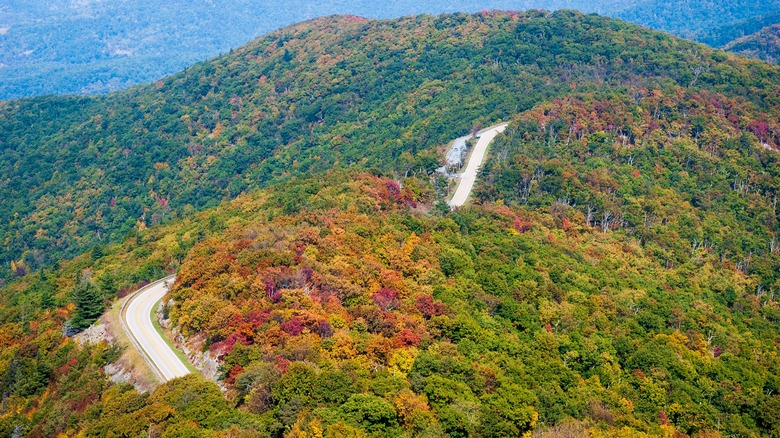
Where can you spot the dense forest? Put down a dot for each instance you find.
(339, 306)
(616, 274)
(89, 47)
(334, 92)
(764, 44)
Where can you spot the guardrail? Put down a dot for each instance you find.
(130, 334)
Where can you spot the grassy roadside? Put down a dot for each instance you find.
(180, 354)
(131, 359)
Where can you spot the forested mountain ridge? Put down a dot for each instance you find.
(336, 91)
(728, 34)
(64, 47)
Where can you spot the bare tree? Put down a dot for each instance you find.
(590, 212)
(607, 219)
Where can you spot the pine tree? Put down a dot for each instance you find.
(89, 305)
(48, 290)
(107, 284)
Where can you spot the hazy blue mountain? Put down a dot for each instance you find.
(713, 22)
(724, 36)
(764, 44)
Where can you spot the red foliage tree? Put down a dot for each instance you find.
(257, 317)
(235, 371)
(225, 347)
(406, 338)
(293, 327)
(393, 191)
(271, 292)
(282, 364)
(386, 299)
(522, 225)
(761, 129)
(430, 307)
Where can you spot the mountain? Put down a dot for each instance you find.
(333, 92)
(722, 36)
(89, 46)
(764, 44)
(615, 275)
(337, 305)
(712, 22)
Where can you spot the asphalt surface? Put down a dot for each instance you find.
(138, 322)
(469, 176)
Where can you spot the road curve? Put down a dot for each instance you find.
(469, 177)
(137, 322)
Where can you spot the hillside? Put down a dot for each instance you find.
(764, 44)
(334, 92)
(724, 35)
(78, 47)
(337, 305)
(616, 275)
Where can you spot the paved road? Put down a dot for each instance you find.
(137, 321)
(469, 177)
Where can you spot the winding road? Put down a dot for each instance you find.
(136, 318)
(469, 177)
(136, 312)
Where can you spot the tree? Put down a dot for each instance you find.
(107, 284)
(386, 299)
(89, 305)
(374, 414)
(507, 413)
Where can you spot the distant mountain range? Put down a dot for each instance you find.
(97, 46)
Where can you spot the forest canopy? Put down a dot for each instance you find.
(336, 92)
(616, 273)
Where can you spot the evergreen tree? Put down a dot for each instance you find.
(47, 289)
(107, 284)
(89, 305)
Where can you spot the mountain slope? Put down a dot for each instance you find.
(334, 92)
(336, 305)
(617, 274)
(764, 44)
(721, 36)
